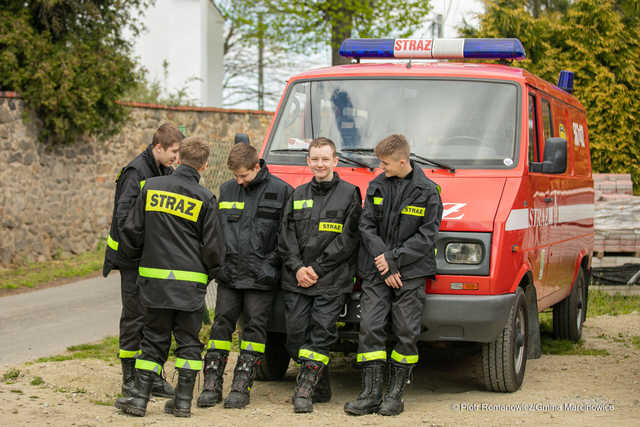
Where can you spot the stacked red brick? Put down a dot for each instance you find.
(617, 214)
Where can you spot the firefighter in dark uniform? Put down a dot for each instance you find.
(156, 160)
(399, 223)
(175, 229)
(318, 244)
(250, 208)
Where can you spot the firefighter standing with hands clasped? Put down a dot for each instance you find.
(400, 220)
(318, 243)
(156, 160)
(175, 231)
(251, 208)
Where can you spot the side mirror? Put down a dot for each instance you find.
(241, 138)
(555, 157)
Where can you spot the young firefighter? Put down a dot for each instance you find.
(318, 243)
(174, 227)
(156, 160)
(401, 218)
(251, 207)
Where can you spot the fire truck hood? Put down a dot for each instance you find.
(470, 203)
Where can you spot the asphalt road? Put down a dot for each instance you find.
(45, 322)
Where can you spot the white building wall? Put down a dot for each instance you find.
(187, 34)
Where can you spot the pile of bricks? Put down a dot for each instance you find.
(617, 215)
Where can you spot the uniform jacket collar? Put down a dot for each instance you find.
(150, 159)
(324, 187)
(188, 172)
(418, 178)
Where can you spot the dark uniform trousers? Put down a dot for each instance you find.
(311, 324)
(403, 307)
(158, 326)
(254, 305)
(132, 315)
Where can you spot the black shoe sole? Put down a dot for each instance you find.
(131, 411)
(358, 412)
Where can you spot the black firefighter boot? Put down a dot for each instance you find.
(128, 376)
(243, 376)
(392, 404)
(137, 403)
(306, 382)
(322, 392)
(161, 388)
(180, 405)
(214, 364)
(370, 397)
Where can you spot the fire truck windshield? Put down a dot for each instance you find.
(463, 123)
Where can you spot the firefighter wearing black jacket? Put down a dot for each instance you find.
(318, 243)
(401, 217)
(156, 160)
(250, 207)
(175, 230)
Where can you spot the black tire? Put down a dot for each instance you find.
(276, 358)
(504, 360)
(569, 314)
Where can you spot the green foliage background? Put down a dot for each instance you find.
(69, 60)
(599, 40)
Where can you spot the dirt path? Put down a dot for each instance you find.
(558, 390)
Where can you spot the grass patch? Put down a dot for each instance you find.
(106, 350)
(37, 381)
(103, 402)
(635, 340)
(11, 376)
(602, 303)
(17, 391)
(550, 345)
(38, 273)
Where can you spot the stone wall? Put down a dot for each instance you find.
(57, 200)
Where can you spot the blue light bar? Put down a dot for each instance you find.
(433, 48)
(565, 82)
(367, 48)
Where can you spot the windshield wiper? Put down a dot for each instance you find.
(353, 161)
(358, 150)
(426, 161)
(340, 156)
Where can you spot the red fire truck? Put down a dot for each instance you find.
(510, 152)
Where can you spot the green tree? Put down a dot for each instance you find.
(599, 40)
(303, 24)
(70, 61)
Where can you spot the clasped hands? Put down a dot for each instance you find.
(393, 280)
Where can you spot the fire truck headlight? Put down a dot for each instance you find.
(463, 253)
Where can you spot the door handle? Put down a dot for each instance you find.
(548, 199)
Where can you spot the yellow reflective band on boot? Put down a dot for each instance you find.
(173, 204)
(128, 354)
(413, 210)
(219, 345)
(161, 273)
(313, 355)
(252, 346)
(148, 365)
(230, 205)
(194, 365)
(372, 355)
(112, 243)
(302, 204)
(378, 200)
(330, 226)
(402, 358)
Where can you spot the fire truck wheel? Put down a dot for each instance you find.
(504, 360)
(568, 314)
(276, 358)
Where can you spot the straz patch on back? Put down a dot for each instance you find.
(173, 204)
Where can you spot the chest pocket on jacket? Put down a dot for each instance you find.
(332, 221)
(378, 204)
(267, 224)
(231, 210)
